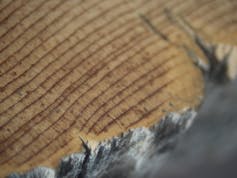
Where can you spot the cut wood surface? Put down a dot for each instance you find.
(94, 69)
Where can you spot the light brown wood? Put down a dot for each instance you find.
(94, 69)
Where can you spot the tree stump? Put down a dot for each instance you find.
(95, 69)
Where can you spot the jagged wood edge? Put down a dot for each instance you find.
(95, 163)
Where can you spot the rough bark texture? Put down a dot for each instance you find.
(91, 70)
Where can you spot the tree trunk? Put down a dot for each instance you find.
(91, 70)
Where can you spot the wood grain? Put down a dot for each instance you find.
(94, 69)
